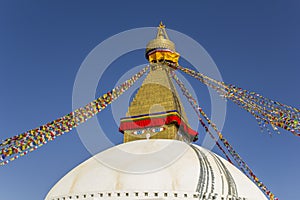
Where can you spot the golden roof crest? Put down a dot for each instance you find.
(161, 40)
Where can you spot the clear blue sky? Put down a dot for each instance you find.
(255, 45)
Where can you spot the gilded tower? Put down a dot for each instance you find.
(156, 111)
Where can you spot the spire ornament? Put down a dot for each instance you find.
(161, 48)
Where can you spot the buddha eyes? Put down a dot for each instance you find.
(156, 130)
(138, 132)
(152, 130)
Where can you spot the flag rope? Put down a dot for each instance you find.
(20, 145)
(267, 112)
(195, 107)
(241, 163)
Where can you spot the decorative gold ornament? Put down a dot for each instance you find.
(161, 40)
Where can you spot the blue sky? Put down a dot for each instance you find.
(255, 45)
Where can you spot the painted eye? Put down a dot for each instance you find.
(138, 132)
(158, 129)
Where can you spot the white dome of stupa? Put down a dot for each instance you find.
(155, 169)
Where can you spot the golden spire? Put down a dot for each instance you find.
(156, 111)
(161, 48)
(161, 40)
(161, 25)
(161, 32)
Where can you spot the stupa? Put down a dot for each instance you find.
(157, 159)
